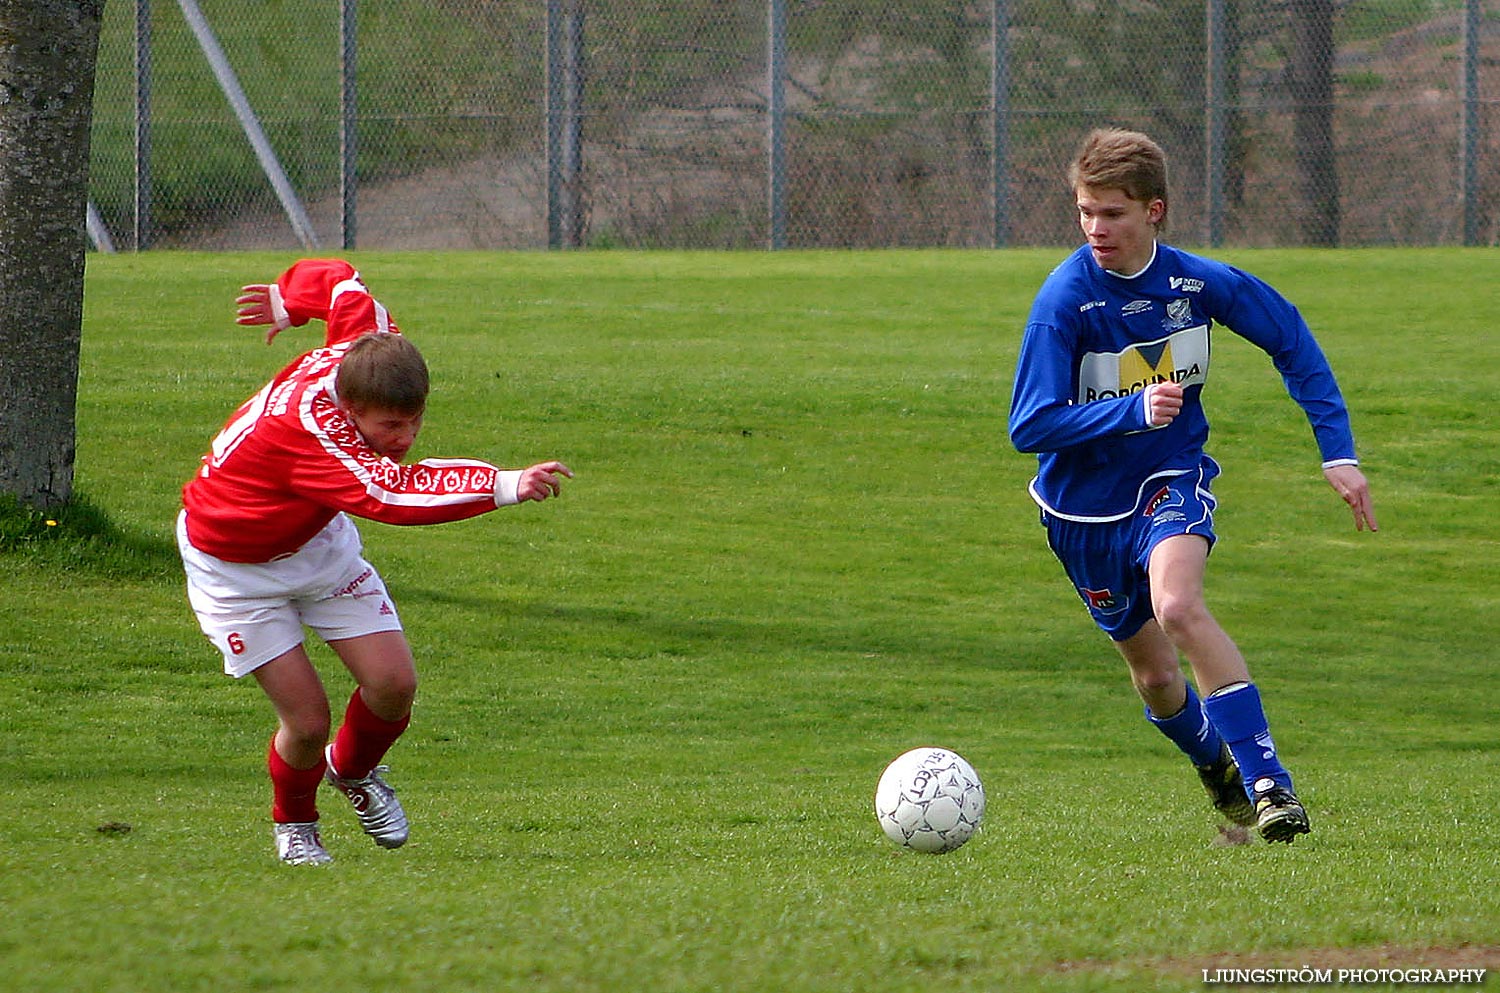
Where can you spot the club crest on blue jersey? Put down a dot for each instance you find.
(1179, 315)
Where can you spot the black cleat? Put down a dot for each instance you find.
(1279, 815)
(1226, 789)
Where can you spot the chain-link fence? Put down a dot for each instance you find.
(804, 123)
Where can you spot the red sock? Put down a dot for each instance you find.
(363, 739)
(294, 792)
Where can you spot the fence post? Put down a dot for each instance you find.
(1468, 128)
(776, 123)
(572, 133)
(1000, 123)
(1214, 129)
(553, 114)
(564, 101)
(348, 120)
(142, 210)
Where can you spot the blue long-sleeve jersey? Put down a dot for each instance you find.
(1095, 340)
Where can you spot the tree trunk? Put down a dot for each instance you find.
(48, 50)
(1311, 72)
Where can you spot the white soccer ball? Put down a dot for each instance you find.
(929, 800)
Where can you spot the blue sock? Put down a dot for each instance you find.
(1236, 711)
(1190, 730)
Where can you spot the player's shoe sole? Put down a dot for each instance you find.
(374, 802)
(1226, 790)
(1279, 815)
(300, 844)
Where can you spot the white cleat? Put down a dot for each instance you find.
(379, 810)
(300, 844)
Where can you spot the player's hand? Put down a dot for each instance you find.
(1163, 403)
(541, 481)
(254, 304)
(1348, 482)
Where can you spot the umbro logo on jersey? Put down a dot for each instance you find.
(1135, 307)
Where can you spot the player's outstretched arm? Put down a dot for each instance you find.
(1348, 482)
(542, 480)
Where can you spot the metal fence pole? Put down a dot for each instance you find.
(1468, 128)
(142, 205)
(564, 113)
(1000, 122)
(776, 123)
(1214, 130)
(553, 115)
(571, 150)
(348, 121)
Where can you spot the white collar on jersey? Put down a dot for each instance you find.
(1133, 275)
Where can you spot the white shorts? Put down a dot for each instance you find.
(254, 612)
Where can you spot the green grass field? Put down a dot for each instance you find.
(654, 712)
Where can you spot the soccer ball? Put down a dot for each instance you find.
(929, 800)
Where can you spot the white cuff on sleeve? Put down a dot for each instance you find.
(507, 481)
(282, 319)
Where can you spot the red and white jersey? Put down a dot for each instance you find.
(288, 460)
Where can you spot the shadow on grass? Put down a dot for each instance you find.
(80, 538)
(633, 632)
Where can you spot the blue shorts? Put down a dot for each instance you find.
(1107, 562)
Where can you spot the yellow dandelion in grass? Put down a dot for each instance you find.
(51, 524)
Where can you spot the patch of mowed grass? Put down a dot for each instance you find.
(653, 712)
